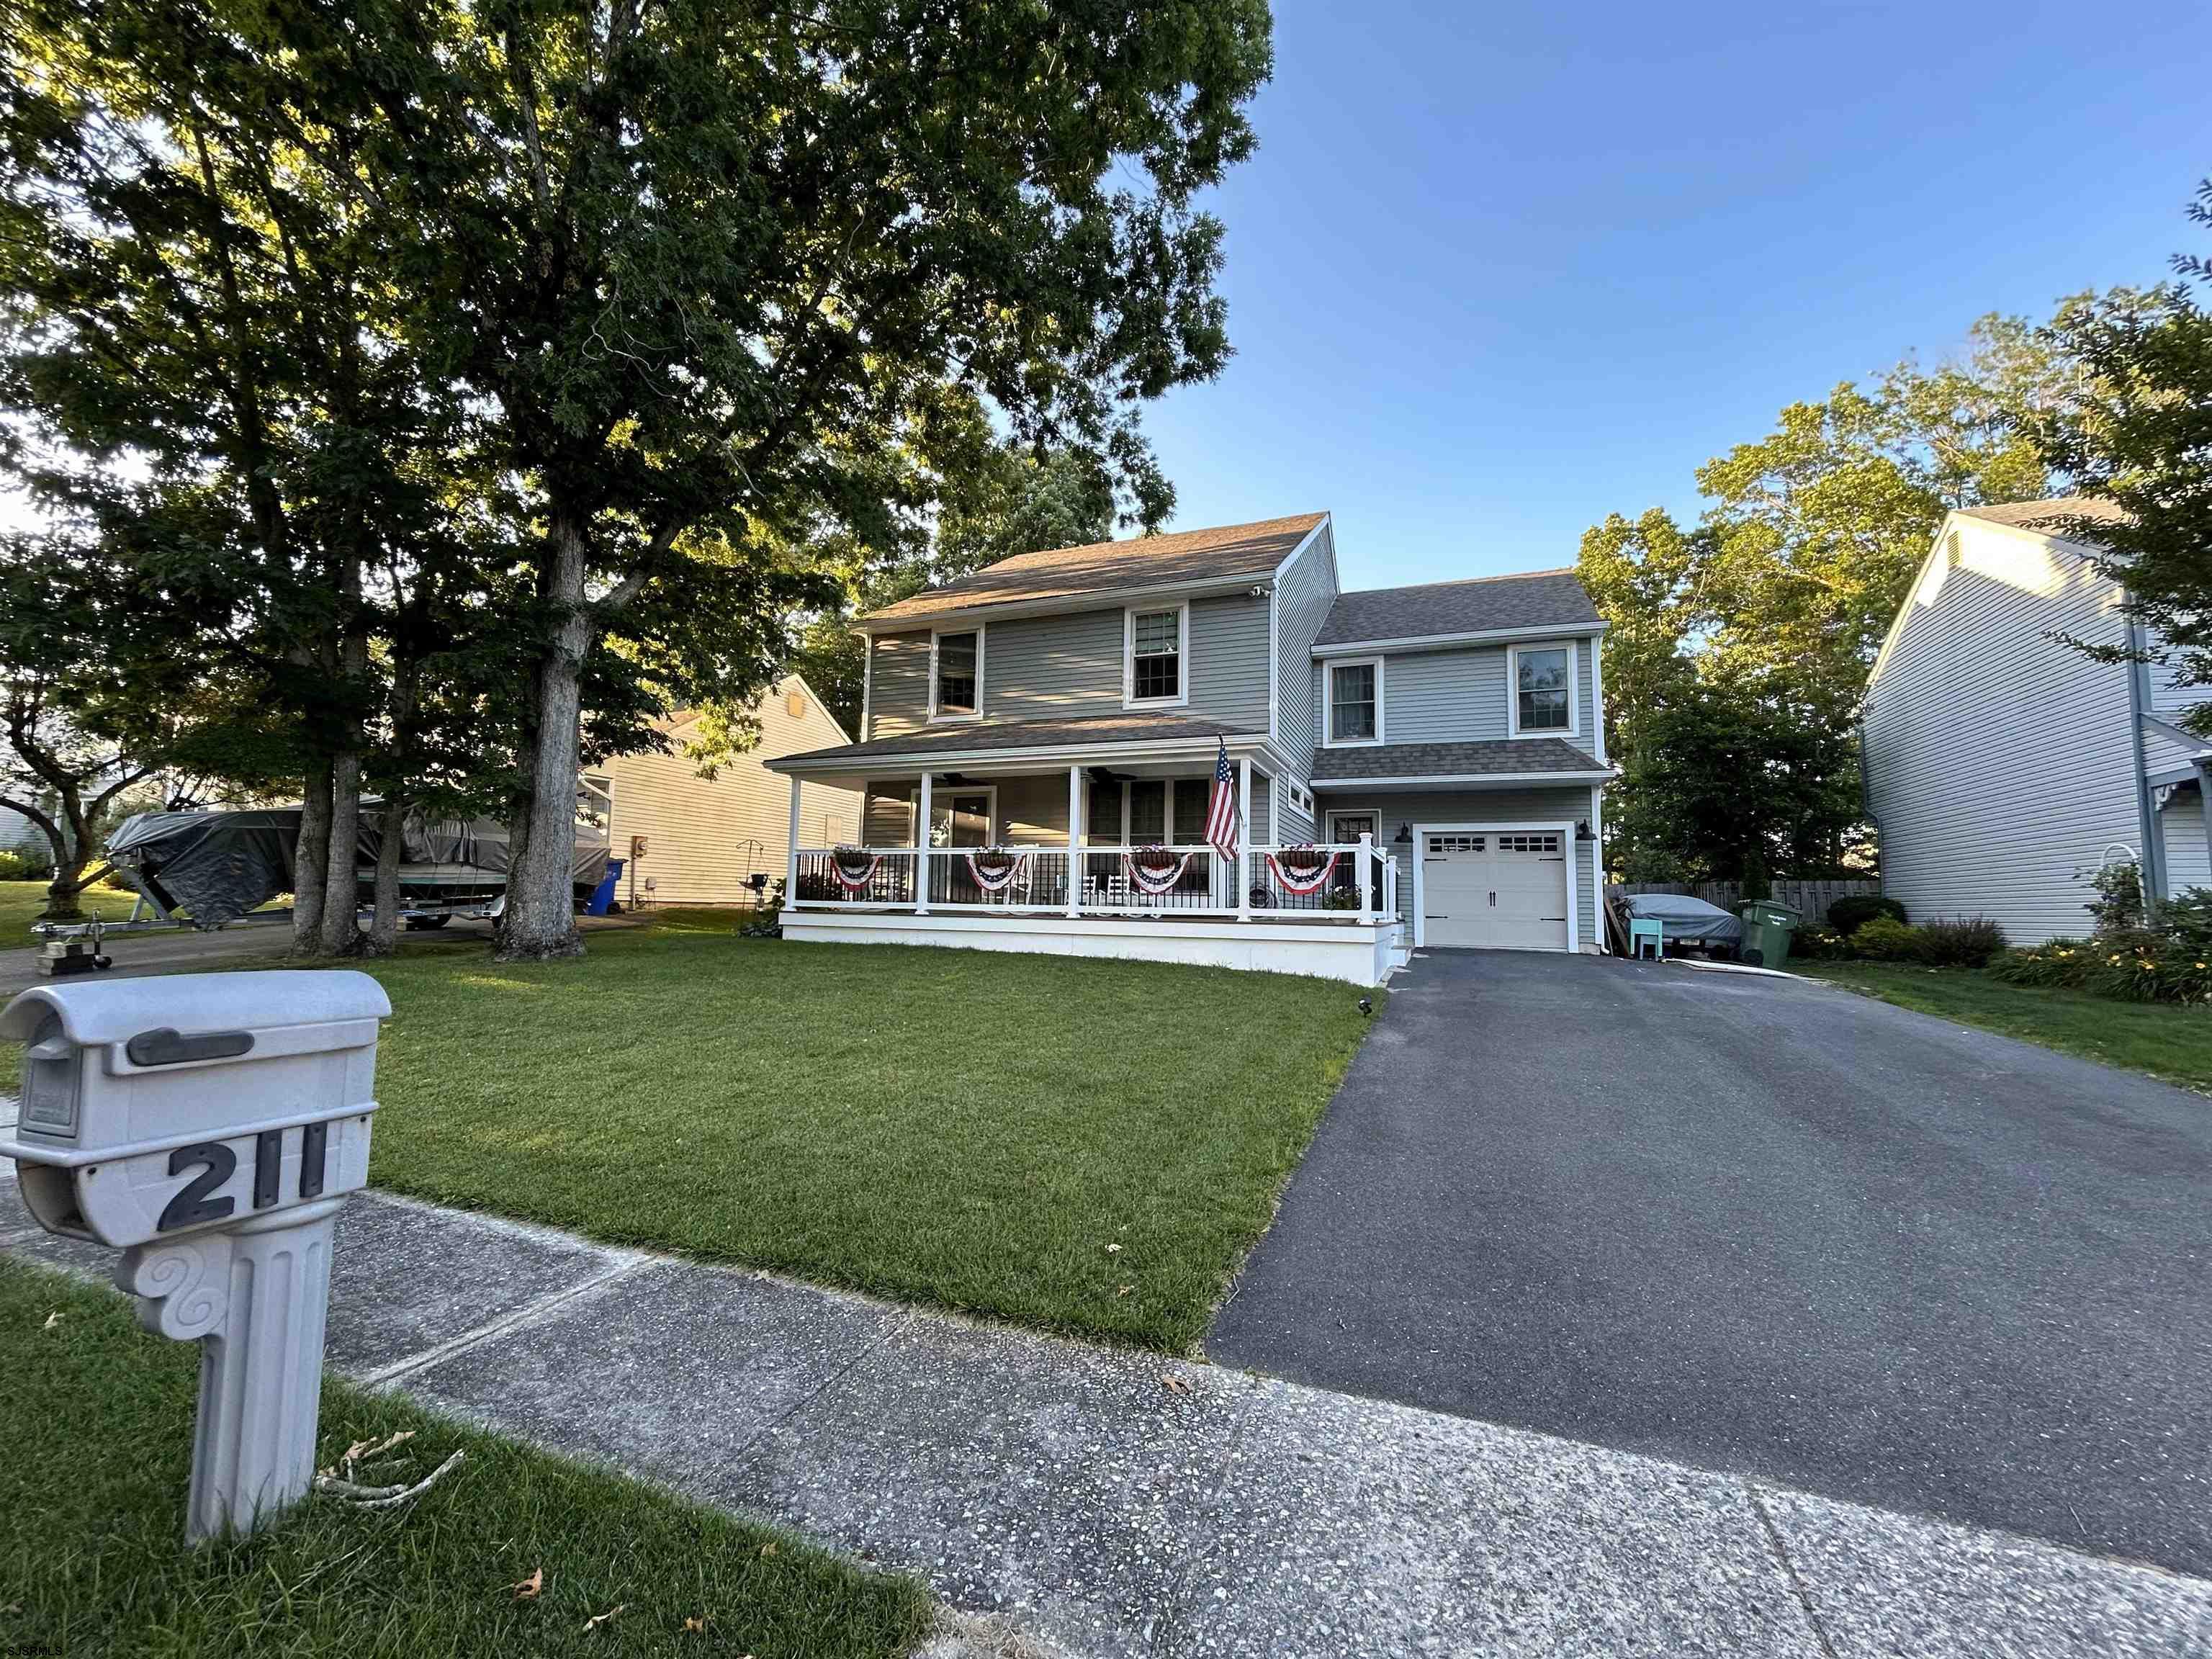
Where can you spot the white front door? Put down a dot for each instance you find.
(1494, 890)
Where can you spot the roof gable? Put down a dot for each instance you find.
(1224, 553)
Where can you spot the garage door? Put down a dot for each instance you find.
(1501, 890)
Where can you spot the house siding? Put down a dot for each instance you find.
(1228, 661)
(1999, 764)
(1069, 665)
(2188, 864)
(1461, 696)
(1303, 599)
(697, 829)
(2169, 699)
(898, 684)
(1058, 667)
(1414, 808)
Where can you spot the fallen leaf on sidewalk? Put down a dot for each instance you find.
(1175, 1384)
(529, 1587)
(598, 1618)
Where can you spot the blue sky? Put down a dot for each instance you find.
(1498, 270)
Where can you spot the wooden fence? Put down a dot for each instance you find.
(1810, 899)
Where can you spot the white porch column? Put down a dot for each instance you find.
(1074, 840)
(791, 857)
(922, 824)
(1244, 839)
(1368, 875)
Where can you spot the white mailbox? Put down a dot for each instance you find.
(209, 1126)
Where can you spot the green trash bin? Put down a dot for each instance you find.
(1767, 926)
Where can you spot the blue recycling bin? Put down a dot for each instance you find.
(603, 896)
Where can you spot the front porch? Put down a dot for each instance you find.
(1087, 853)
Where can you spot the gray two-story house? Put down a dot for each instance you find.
(1197, 747)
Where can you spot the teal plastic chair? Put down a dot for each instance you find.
(1643, 930)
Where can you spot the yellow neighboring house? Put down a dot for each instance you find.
(704, 837)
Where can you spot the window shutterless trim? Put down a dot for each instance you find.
(1129, 615)
(936, 716)
(1573, 728)
(1328, 671)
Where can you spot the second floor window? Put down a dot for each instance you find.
(1351, 702)
(1156, 656)
(957, 656)
(1541, 689)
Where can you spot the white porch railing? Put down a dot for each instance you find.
(1343, 881)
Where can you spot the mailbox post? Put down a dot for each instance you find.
(209, 1126)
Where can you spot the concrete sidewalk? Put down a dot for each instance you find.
(1109, 1503)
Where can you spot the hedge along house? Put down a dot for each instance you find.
(722, 840)
(1041, 743)
(2003, 767)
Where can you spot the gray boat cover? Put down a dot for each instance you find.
(217, 866)
(1682, 916)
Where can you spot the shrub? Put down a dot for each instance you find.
(2061, 962)
(2141, 967)
(1854, 910)
(2119, 906)
(1962, 942)
(1885, 939)
(1819, 943)
(2189, 916)
(22, 867)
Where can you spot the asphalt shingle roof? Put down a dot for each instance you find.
(2034, 515)
(1493, 757)
(1225, 553)
(966, 736)
(1540, 599)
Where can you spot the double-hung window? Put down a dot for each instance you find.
(1543, 689)
(956, 675)
(1155, 669)
(1355, 702)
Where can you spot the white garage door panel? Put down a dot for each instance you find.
(1499, 891)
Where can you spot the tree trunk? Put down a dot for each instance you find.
(384, 925)
(540, 919)
(63, 893)
(340, 934)
(311, 858)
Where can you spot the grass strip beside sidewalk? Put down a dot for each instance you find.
(92, 1557)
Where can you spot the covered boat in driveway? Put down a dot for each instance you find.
(1683, 919)
(214, 867)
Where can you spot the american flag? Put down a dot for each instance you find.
(1221, 816)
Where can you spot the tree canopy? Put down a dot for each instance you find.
(1740, 645)
(2141, 437)
(509, 375)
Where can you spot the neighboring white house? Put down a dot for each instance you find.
(2002, 766)
(704, 837)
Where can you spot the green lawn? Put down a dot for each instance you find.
(2165, 1040)
(92, 1560)
(20, 902)
(1089, 1146)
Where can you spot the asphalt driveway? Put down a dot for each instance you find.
(1766, 1226)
